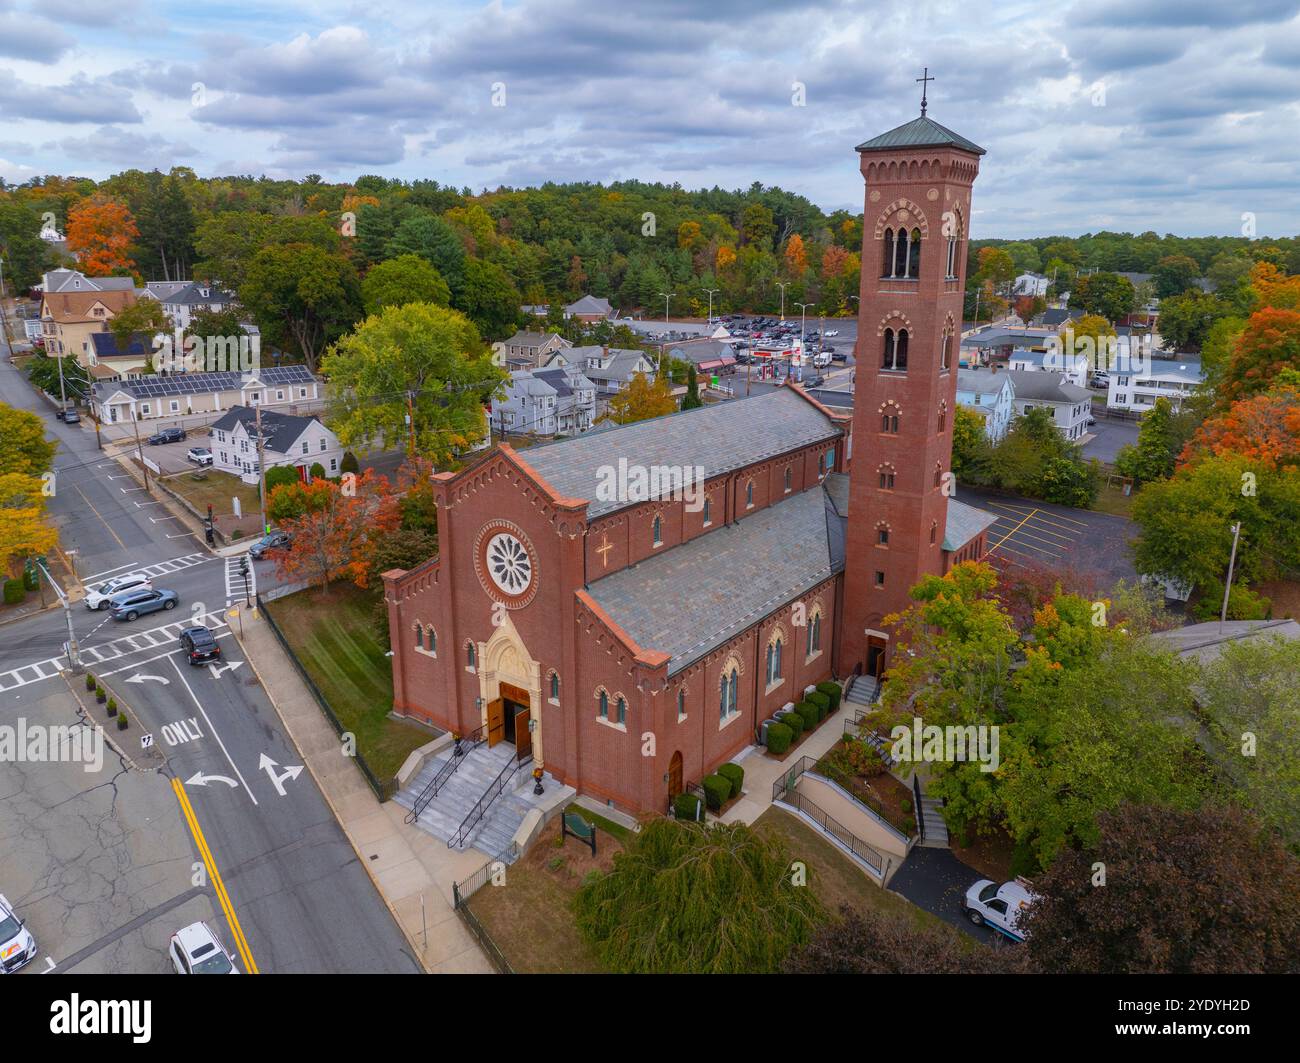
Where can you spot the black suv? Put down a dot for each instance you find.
(167, 435)
(200, 645)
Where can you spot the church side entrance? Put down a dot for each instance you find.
(515, 714)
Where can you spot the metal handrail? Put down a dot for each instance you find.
(916, 793)
(475, 738)
(481, 805)
(872, 856)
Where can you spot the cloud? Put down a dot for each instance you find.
(80, 100)
(24, 36)
(124, 148)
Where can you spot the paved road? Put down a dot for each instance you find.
(1108, 437)
(298, 891)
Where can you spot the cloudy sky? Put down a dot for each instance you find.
(1173, 115)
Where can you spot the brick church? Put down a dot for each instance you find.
(575, 621)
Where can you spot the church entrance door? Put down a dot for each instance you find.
(875, 657)
(496, 717)
(523, 736)
(675, 775)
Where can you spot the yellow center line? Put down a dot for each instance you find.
(223, 898)
(1013, 530)
(97, 513)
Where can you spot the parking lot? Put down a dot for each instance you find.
(1039, 532)
(98, 864)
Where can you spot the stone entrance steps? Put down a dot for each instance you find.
(478, 769)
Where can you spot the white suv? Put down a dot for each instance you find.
(17, 946)
(98, 597)
(196, 950)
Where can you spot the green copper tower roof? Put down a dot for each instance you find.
(920, 133)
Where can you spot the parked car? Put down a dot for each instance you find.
(195, 949)
(999, 907)
(167, 435)
(832, 332)
(101, 596)
(1091, 421)
(71, 416)
(271, 541)
(816, 382)
(199, 455)
(838, 356)
(17, 946)
(1099, 380)
(200, 645)
(134, 604)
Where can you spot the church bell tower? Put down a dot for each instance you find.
(914, 238)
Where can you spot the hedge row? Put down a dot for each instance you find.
(14, 591)
(688, 807)
(779, 737)
(832, 691)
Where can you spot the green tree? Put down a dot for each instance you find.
(144, 315)
(968, 435)
(1174, 274)
(21, 247)
(489, 299)
(430, 353)
(434, 240)
(23, 446)
(691, 400)
(688, 899)
(1186, 319)
(1162, 434)
(302, 297)
(405, 279)
(1107, 294)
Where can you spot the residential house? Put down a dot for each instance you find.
(108, 361)
(991, 395)
(533, 348)
(1069, 404)
(69, 318)
(1136, 383)
(558, 400)
(72, 280)
(1029, 283)
(287, 388)
(1056, 317)
(182, 299)
(1074, 367)
(611, 369)
(589, 309)
(286, 440)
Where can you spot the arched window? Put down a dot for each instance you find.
(893, 355)
(901, 254)
(900, 353)
(708, 511)
(431, 639)
(938, 474)
(749, 493)
(621, 710)
(887, 352)
(788, 479)
(934, 531)
(945, 350)
(882, 535)
(419, 636)
(943, 417)
(774, 660)
(471, 655)
(887, 266)
(815, 634)
(602, 705)
(681, 703)
(889, 423)
(658, 531)
(886, 477)
(728, 687)
(914, 254)
(555, 686)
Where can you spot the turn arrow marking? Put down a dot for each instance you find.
(218, 670)
(199, 779)
(292, 772)
(140, 678)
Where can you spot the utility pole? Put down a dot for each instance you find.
(63, 394)
(781, 285)
(74, 654)
(139, 450)
(803, 320)
(261, 469)
(711, 292)
(666, 296)
(1227, 587)
(410, 422)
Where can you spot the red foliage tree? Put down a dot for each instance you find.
(1269, 344)
(334, 528)
(1264, 428)
(100, 231)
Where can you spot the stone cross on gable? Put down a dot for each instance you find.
(923, 79)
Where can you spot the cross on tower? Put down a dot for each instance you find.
(924, 87)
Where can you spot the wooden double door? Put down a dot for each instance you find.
(508, 717)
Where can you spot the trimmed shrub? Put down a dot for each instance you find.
(735, 775)
(810, 713)
(909, 826)
(317, 471)
(121, 722)
(832, 691)
(349, 463)
(90, 682)
(822, 702)
(905, 804)
(279, 476)
(101, 695)
(14, 591)
(112, 707)
(793, 721)
(716, 791)
(688, 807)
(779, 737)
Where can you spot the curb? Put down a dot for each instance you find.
(86, 714)
(410, 939)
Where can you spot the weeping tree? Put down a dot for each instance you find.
(686, 898)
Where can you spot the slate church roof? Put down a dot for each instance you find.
(919, 133)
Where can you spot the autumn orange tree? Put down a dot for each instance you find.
(333, 527)
(1269, 344)
(796, 256)
(1264, 428)
(642, 399)
(100, 232)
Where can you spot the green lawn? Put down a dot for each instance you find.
(1112, 500)
(335, 640)
(216, 489)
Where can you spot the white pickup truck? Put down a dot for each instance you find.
(999, 907)
(17, 946)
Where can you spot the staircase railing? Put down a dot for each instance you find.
(920, 814)
(783, 790)
(430, 791)
(481, 805)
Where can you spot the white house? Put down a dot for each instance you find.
(1030, 283)
(990, 394)
(1073, 367)
(286, 440)
(180, 299)
(290, 388)
(611, 369)
(1136, 384)
(1069, 404)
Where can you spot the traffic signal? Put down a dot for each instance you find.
(243, 566)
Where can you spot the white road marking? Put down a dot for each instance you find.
(185, 683)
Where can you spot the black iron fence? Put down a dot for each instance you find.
(383, 790)
(783, 790)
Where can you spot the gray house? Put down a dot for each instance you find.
(558, 400)
(1069, 404)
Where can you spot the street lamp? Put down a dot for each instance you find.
(666, 296)
(781, 285)
(711, 292)
(803, 320)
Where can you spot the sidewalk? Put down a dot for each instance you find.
(762, 771)
(407, 865)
